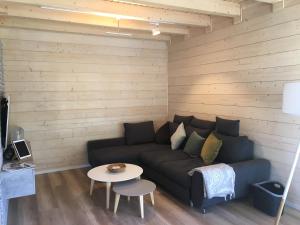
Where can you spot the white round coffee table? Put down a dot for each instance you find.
(101, 174)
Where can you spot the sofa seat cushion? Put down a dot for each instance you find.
(153, 159)
(122, 153)
(178, 170)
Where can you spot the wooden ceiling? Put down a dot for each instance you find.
(136, 18)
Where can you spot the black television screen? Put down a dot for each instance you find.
(4, 121)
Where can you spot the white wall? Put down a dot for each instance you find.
(68, 88)
(238, 72)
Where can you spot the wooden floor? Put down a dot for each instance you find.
(63, 199)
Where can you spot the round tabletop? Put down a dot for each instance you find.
(101, 173)
(134, 187)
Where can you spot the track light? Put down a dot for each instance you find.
(118, 33)
(155, 30)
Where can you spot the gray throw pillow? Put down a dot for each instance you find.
(194, 145)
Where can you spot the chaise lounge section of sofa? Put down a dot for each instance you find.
(169, 168)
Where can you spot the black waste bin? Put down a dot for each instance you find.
(267, 196)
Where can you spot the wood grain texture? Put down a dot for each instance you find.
(69, 88)
(63, 199)
(239, 72)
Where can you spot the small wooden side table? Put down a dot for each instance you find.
(134, 188)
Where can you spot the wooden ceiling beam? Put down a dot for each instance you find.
(33, 12)
(142, 13)
(269, 1)
(37, 24)
(211, 7)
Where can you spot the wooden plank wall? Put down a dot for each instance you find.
(239, 72)
(1, 94)
(68, 88)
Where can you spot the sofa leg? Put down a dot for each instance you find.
(203, 211)
(191, 204)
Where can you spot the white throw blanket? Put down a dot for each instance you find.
(219, 180)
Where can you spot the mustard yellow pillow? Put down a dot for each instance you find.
(211, 149)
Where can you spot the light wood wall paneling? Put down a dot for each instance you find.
(90, 49)
(69, 88)
(238, 73)
(260, 22)
(69, 38)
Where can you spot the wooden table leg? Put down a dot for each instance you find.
(92, 186)
(152, 197)
(108, 185)
(117, 199)
(142, 205)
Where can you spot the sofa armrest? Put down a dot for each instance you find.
(250, 172)
(247, 173)
(93, 147)
(98, 144)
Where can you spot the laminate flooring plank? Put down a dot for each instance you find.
(44, 194)
(63, 199)
(71, 208)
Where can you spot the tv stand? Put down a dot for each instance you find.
(14, 183)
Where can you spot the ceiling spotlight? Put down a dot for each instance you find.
(155, 30)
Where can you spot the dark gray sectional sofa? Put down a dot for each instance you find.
(169, 168)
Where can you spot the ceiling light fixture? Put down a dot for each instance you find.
(155, 30)
(118, 33)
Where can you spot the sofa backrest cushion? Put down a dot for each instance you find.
(139, 133)
(228, 127)
(162, 135)
(182, 119)
(200, 131)
(234, 149)
(172, 127)
(203, 124)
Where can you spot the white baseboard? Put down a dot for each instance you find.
(63, 169)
